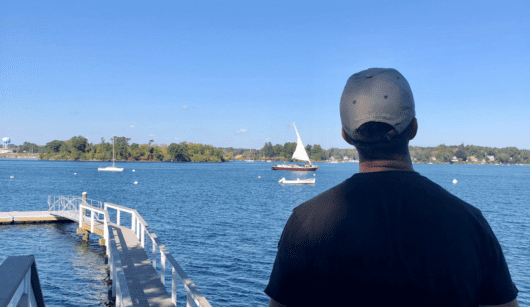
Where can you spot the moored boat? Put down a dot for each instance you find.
(111, 168)
(297, 181)
(299, 154)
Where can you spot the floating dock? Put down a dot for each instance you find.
(18, 217)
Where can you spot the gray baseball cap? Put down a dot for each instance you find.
(376, 95)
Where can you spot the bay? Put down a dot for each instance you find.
(221, 222)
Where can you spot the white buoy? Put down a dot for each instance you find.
(259, 176)
(134, 171)
(75, 173)
(136, 182)
(12, 177)
(314, 174)
(455, 181)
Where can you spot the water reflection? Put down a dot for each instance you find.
(72, 272)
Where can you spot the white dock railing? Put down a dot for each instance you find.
(68, 206)
(120, 290)
(19, 282)
(140, 228)
(75, 208)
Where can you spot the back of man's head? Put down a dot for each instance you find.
(377, 110)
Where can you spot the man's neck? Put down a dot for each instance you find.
(384, 165)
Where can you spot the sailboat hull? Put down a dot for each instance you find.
(295, 167)
(110, 169)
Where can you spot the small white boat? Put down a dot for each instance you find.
(297, 181)
(111, 168)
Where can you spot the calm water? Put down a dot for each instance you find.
(220, 221)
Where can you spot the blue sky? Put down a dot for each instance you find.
(237, 73)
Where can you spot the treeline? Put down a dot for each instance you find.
(469, 153)
(285, 152)
(439, 154)
(79, 149)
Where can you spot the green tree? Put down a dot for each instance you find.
(53, 146)
(121, 146)
(29, 147)
(308, 150)
(79, 143)
(277, 150)
(317, 153)
(461, 154)
(179, 152)
(288, 150)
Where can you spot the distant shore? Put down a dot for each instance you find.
(35, 157)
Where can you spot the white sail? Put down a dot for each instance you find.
(300, 153)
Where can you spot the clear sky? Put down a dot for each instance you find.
(237, 73)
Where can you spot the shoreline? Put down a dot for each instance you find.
(124, 161)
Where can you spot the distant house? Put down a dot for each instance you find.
(454, 159)
(472, 158)
(345, 158)
(483, 161)
(491, 158)
(433, 158)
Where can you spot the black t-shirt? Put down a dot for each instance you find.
(392, 238)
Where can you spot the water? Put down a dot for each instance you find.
(220, 221)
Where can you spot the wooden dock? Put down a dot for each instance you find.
(144, 284)
(18, 217)
(135, 281)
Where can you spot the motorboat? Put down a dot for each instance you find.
(297, 181)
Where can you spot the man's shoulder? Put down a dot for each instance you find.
(384, 184)
(327, 198)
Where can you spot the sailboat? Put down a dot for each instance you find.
(299, 154)
(111, 168)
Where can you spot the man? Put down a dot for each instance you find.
(387, 236)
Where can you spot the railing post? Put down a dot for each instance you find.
(143, 235)
(138, 228)
(154, 253)
(92, 221)
(118, 217)
(174, 286)
(106, 234)
(133, 223)
(188, 301)
(114, 277)
(163, 268)
(80, 217)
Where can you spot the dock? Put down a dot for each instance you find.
(18, 217)
(135, 280)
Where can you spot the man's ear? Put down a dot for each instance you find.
(413, 129)
(346, 137)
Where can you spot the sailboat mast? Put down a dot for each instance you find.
(113, 150)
